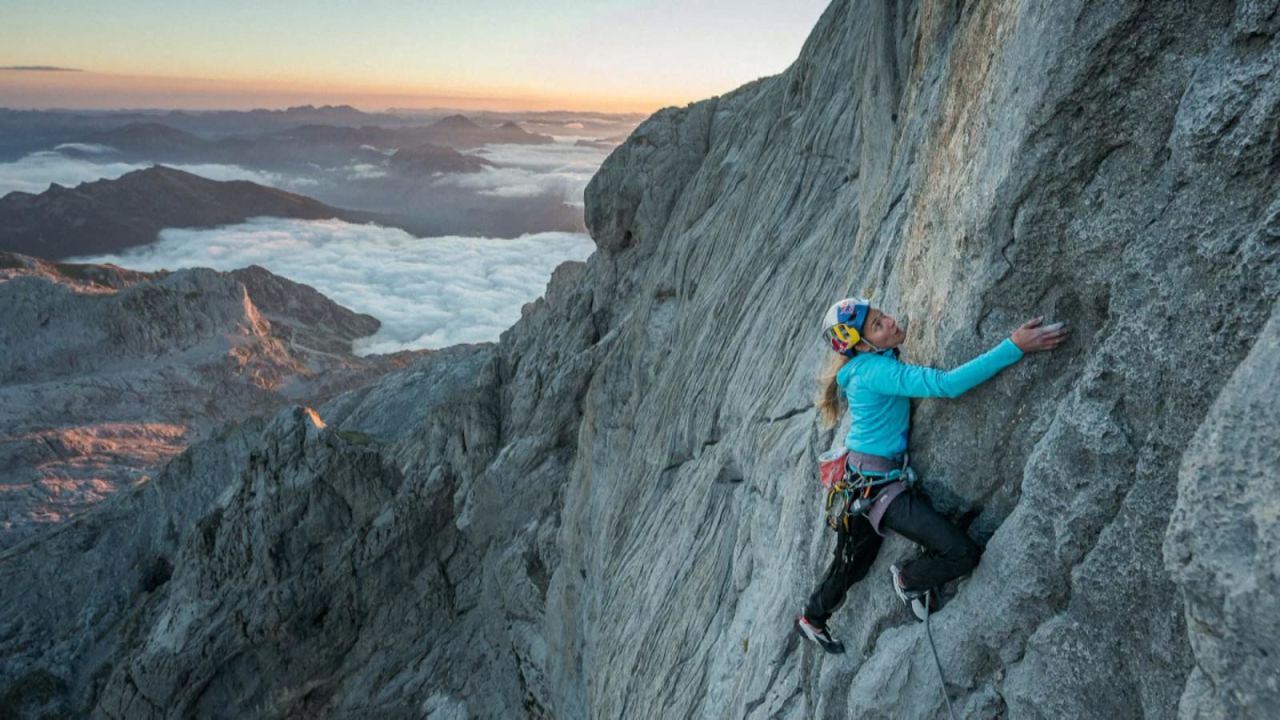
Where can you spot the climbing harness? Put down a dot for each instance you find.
(858, 487)
(941, 678)
(851, 480)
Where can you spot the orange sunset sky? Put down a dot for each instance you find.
(608, 55)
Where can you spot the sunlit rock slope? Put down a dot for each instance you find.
(106, 373)
(612, 512)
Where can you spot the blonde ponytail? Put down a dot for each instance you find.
(828, 399)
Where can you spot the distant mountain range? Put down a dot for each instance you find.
(390, 170)
(107, 216)
(23, 131)
(459, 131)
(603, 143)
(147, 137)
(165, 142)
(252, 137)
(304, 149)
(426, 159)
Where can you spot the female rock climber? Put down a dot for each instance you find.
(878, 387)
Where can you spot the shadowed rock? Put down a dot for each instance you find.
(106, 373)
(553, 541)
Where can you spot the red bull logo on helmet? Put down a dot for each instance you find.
(842, 324)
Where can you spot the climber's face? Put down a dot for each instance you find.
(881, 330)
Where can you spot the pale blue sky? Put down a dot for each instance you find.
(665, 51)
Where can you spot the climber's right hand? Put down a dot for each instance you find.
(1033, 337)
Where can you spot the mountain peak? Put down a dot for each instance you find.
(455, 122)
(109, 215)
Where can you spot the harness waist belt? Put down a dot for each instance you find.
(871, 463)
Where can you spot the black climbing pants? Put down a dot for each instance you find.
(949, 553)
(856, 550)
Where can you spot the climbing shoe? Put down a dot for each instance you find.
(914, 599)
(819, 634)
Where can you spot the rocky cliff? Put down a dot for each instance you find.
(107, 373)
(613, 513)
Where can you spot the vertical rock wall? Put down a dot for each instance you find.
(1223, 545)
(613, 511)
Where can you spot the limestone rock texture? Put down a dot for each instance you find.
(613, 512)
(1223, 546)
(107, 373)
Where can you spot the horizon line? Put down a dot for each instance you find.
(87, 90)
(388, 110)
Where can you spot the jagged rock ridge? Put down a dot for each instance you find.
(107, 373)
(611, 513)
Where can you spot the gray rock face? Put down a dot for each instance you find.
(106, 374)
(614, 512)
(70, 597)
(306, 320)
(1223, 545)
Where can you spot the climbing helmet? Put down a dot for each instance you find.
(842, 325)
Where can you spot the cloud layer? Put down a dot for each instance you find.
(560, 169)
(34, 172)
(428, 292)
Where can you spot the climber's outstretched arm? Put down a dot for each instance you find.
(890, 377)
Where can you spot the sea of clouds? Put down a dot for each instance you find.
(560, 169)
(428, 292)
(34, 172)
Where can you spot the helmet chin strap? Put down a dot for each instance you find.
(873, 345)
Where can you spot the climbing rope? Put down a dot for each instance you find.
(929, 633)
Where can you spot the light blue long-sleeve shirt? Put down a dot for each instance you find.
(878, 387)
